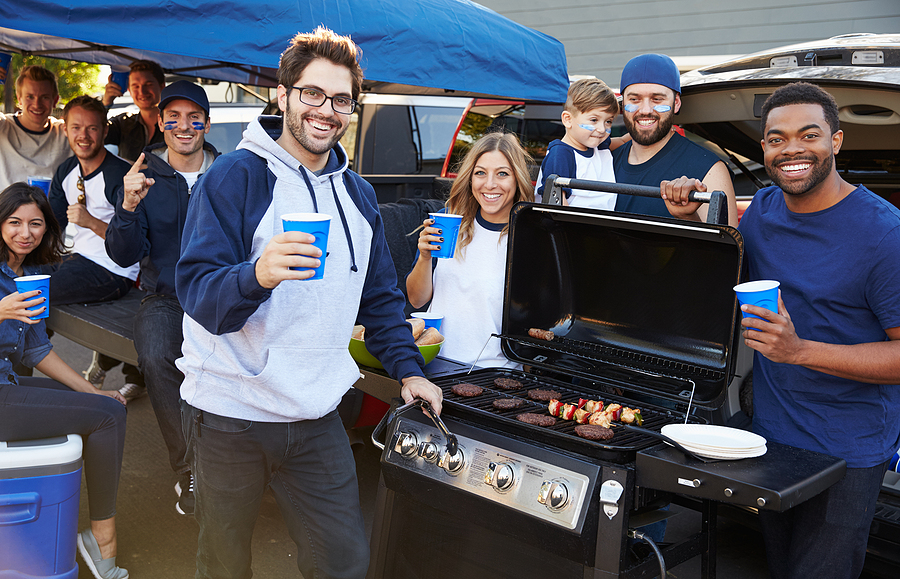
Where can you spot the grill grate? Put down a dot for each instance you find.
(562, 435)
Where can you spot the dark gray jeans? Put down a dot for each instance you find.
(157, 339)
(310, 468)
(826, 536)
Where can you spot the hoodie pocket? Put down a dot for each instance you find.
(300, 383)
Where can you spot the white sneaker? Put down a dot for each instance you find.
(132, 391)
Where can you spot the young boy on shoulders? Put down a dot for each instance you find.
(584, 152)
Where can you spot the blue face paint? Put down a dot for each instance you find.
(630, 108)
(592, 128)
(198, 126)
(170, 126)
(662, 108)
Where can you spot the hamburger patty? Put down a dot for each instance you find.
(507, 384)
(536, 419)
(594, 432)
(507, 403)
(467, 390)
(543, 394)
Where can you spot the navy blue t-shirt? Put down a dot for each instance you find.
(839, 270)
(680, 157)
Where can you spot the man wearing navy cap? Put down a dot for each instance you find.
(146, 227)
(651, 98)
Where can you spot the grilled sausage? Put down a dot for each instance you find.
(540, 334)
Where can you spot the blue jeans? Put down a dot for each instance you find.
(826, 536)
(78, 280)
(43, 408)
(157, 339)
(310, 468)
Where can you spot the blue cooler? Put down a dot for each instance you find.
(40, 484)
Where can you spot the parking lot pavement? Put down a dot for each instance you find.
(156, 542)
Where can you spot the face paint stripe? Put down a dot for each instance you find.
(170, 126)
(198, 126)
(630, 108)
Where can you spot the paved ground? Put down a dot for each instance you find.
(156, 542)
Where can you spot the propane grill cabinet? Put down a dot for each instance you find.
(643, 314)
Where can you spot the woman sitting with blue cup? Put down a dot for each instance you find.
(466, 285)
(64, 403)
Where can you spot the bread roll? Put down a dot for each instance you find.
(430, 336)
(418, 326)
(359, 333)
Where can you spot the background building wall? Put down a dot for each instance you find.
(600, 36)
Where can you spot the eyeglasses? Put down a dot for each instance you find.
(80, 185)
(316, 98)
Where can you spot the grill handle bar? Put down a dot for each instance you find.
(718, 206)
(452, 442)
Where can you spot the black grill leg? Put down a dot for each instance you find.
(708, 528)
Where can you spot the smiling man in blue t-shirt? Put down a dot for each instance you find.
(827, 365)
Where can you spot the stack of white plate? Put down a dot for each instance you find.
(720, 442)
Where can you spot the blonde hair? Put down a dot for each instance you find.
(462, 201)
(588, 94)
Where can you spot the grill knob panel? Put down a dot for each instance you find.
(407, 444)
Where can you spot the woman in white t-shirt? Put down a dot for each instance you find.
(468, 288)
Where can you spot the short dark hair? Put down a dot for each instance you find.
(36, 73)
(86, 102)
(51, 247)
(152, 67)
(321, 43)
(802, 93)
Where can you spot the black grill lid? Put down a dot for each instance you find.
(644, 299)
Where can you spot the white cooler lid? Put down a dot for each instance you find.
(48, 451)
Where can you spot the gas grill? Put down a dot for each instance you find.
(643, 315)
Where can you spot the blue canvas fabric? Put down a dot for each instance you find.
(449, 45)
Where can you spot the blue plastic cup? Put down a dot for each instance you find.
(4, 64)
(42, 182)
(316, 224)
(449, 224)
(762, 293)
(120, 76)
(29, 283)
(432, 320)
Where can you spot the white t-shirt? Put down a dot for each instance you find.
(24, 153)
(468, 292)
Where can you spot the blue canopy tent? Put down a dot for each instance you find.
(447, 47)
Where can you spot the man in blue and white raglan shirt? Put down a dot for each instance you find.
(265, 353)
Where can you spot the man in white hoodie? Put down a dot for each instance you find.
(265, 348)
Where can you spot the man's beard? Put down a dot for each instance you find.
(663, 127)
(297, 128)
(820, 171)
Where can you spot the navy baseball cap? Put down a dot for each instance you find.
(651, 69)
(183, 89)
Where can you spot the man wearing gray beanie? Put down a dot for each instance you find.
(651, 98)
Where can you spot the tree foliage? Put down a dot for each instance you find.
(73, 78)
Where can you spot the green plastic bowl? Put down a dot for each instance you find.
(362, 356)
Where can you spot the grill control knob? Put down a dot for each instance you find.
(500, 475)
(428, 451)
(407, 444)
(761, 502)
(452, 464)
(729, 492)
(554, 495)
